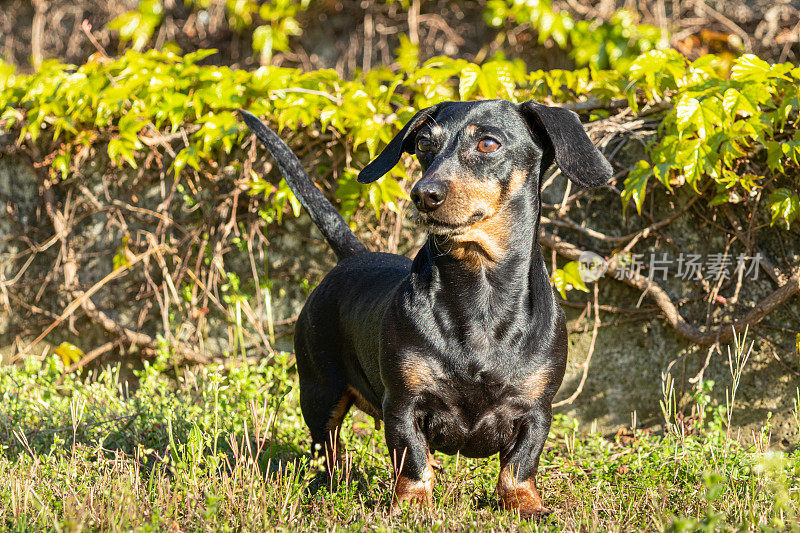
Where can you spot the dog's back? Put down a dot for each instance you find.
(337, 337)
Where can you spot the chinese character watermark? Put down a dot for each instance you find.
(685, 266)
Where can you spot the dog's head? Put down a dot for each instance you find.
(478, 158)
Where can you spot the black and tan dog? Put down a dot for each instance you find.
(463, 348)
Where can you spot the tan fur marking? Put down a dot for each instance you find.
(418, 492)
(339, 412)
(470, 130)
(467, 195)
(484, 195)
(518, 178)
(350, 397)
(535, 384)
(483, 242)
(365, 406)
(333, 444)
(522, 497)
(416, 373)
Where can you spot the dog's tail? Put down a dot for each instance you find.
(333, 227)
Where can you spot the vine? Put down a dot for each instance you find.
(707, 128)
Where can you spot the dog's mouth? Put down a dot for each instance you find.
(437, 226)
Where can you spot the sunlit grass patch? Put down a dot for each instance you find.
(226, 449)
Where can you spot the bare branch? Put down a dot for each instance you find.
(720, 333)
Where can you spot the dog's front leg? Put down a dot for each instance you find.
(516, 485)
(411, 460)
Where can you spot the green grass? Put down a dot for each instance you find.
(226, 449)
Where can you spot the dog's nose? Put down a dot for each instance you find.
(428, 196)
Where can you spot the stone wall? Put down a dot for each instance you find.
(625, 373)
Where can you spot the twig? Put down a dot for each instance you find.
(578, 391)
(413, 22)
(594, 103)
(369, 34)
(337, 101)
(721, 333)
(86, 27)
(91, 356)
(37, 28)
(138, 338)
(83, 297)
(728, 23)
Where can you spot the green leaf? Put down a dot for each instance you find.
(69, 353)
(187, 156)
(126, 24)
(61, 164)
(121, 149)
(263, 41)
(572, 275)
(121, 255)
(687, 111)
(407, 54)
(501, 78)
(735, 104)
(468, 81)
(636, 185)
(697, 158)
(750, 68)
(283, 196)
(152, 8)
(659, 69)
(559, 282)
(661, 172)
(693, 115)
(774, 156)
(568, 278)
(784, 206)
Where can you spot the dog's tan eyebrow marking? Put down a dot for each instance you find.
(436, 130)
(471, 129)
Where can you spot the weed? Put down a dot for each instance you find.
(225, 448)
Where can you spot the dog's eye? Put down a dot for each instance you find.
(487, 145)
(423, 145)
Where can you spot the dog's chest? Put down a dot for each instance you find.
(475, 411)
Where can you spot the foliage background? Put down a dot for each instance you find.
(140, 165)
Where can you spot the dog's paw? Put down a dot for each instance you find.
(420, 500)
(416, 492)
(522, 498)
(535, 513)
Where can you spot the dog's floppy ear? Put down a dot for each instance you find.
(571, 148)
(402, 142)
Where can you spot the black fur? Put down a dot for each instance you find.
(455, 355)
(333, 227)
